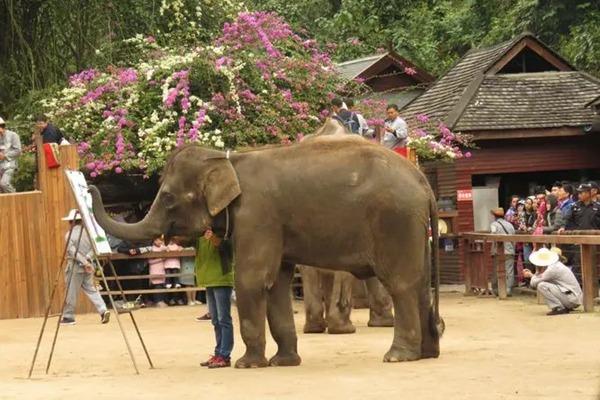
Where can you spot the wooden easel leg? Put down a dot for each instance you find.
(62, 308)
(137, 330)
(49, 305)
(112, 303)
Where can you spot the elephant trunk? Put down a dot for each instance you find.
(148, 228)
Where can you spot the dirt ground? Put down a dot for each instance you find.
(491, 350)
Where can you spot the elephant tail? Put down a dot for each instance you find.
(437, 322)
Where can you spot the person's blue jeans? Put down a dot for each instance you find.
(219, 306)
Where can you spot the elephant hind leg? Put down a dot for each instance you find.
(313, 300)
(407, 326)
(380, 304)
(281, 319)
(340, 305)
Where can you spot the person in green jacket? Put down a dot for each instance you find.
(215, 273)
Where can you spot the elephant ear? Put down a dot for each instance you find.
(220, 185)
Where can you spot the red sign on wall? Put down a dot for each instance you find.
(464, 195)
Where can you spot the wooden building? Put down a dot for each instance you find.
(530, 113)
(386, 75)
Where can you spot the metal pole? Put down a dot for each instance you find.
(114, 272)
(62, 308)
(49, 306)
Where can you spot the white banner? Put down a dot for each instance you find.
(84, 202)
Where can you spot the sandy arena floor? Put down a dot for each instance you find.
(491, 350)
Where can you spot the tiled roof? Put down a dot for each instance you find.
(438, 101)
(530, 100)
(351, 69)
(469, 98)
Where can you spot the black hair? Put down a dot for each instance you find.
(41, 118)
(393, 107)
(567, 187)
(349, 103)
(557, 184)
(539, 190)
(337, 102)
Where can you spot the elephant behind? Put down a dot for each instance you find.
(335, 202)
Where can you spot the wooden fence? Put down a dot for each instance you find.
(478, 265)
(32, 237)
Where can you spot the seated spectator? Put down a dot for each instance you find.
(49, 132)
(554, 219)
(396, 131)
(554, 281)
(501, 227)
(10, 149)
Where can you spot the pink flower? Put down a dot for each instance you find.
(118, 170)
(93, 174)
(468, 154)
(410, 71)
(150, 39)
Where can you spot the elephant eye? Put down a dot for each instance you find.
(168, 200)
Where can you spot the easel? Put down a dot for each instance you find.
(95, 262)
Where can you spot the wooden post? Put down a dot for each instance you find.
(501, 270)
(466, 249)
(588, 276)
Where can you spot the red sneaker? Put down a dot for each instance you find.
(220, 362)
(209, 361)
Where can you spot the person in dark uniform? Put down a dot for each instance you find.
(584, 215)
(48, 132)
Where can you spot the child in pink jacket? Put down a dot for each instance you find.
(173, 265)
(157, 267)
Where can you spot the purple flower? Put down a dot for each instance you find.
(422, 118)
(127, 76)
(223, 61)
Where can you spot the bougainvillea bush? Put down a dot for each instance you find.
(257, 83)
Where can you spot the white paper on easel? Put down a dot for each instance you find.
(84, 202)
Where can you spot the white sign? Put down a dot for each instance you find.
(84, 203)
(464, 195)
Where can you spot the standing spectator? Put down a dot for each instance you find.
(345, 117)
(363, 126)
(79, 273)
(556, 188)
(502, 227)
(529, 217)
(49, 132)
(216, 274)
(10, 149)
(565, 198)
(157, 267)
(585, 214)
(396, 131)
(511, 215)
(542, 209)
(554, 220)
(555, 282)
(594, 190)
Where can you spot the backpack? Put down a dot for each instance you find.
(350, 121)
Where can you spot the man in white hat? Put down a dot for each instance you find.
(10, 149)
(554, 281)
(79, 272)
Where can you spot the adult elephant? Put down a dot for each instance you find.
(328, 201)
(328, 301)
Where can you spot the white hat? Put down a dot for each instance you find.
(2, 122)
(71, 215)
(543, 257)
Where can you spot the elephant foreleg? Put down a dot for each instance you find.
(281, 319)
(340, 306)
(380, 304)
(313, 300)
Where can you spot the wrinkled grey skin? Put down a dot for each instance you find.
(328, 201)
(328, 301)
(328, 295)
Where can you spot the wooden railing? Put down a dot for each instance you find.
(477, 260)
